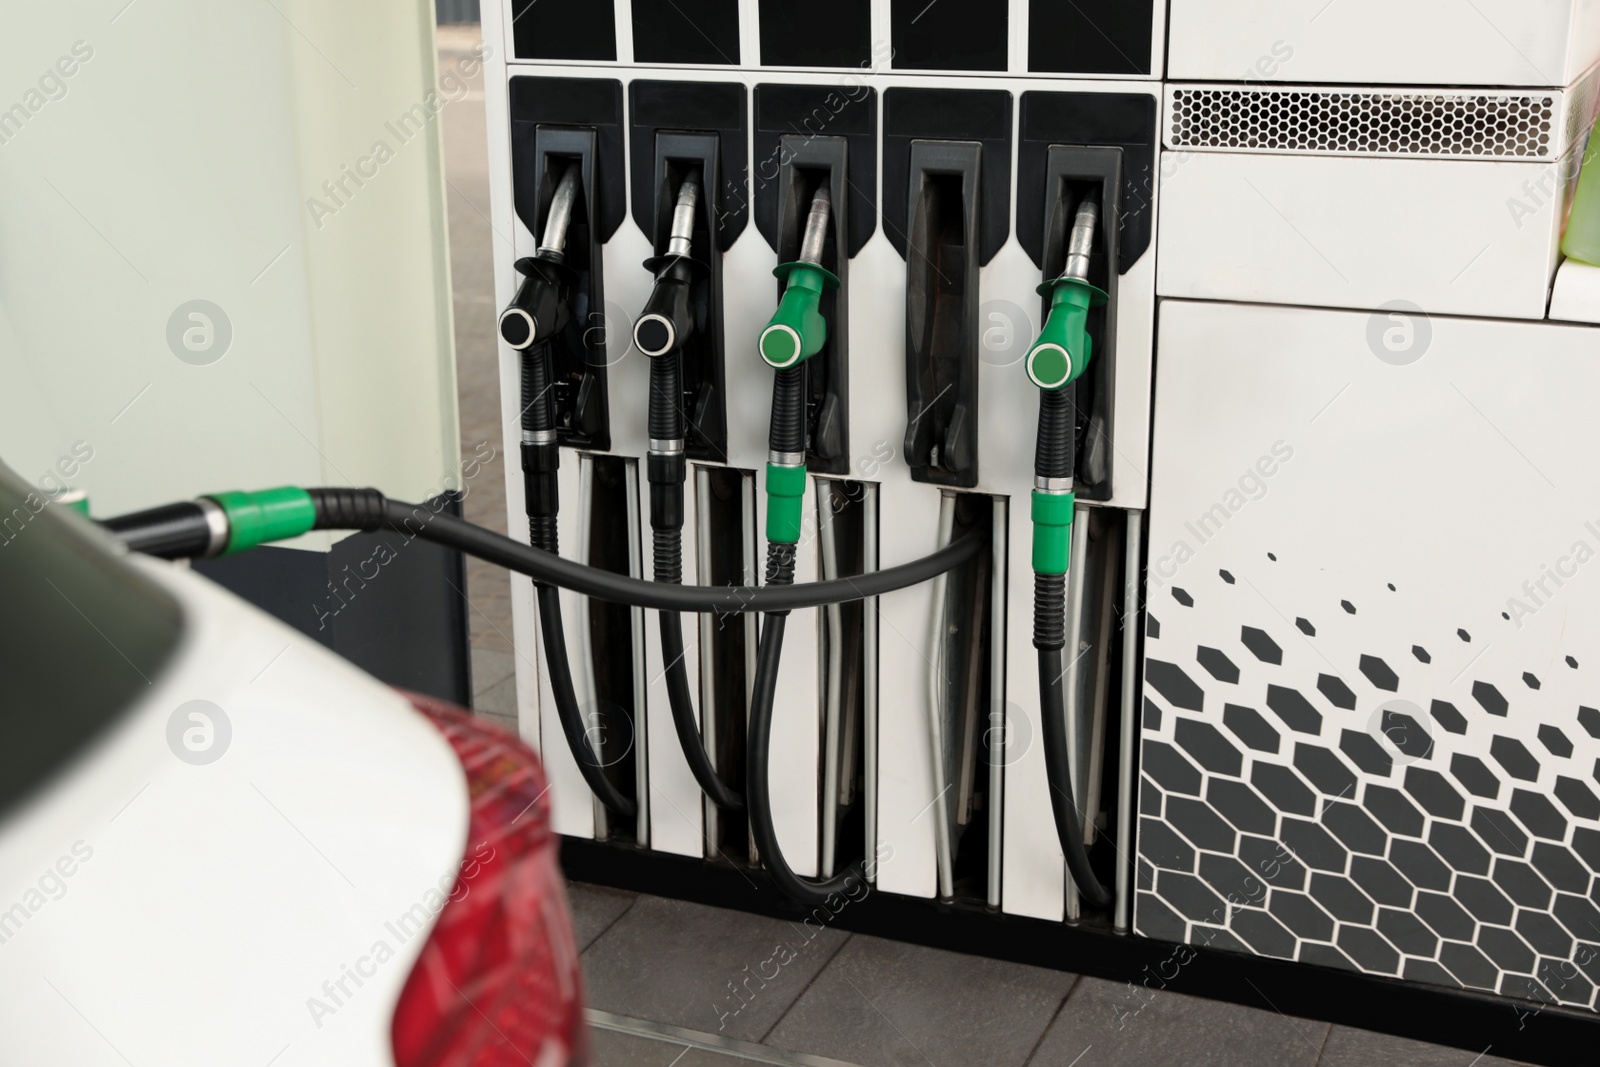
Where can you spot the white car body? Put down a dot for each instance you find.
(262, 908)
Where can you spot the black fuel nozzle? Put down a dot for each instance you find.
(667, 320)
(541, 308)
(661, 332)
(537, 314)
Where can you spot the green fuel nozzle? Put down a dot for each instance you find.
(797, 330)
(1061, 353)
(1059, 357)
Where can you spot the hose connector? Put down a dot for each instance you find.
(797, 331)
(786, 492)
(1051, 513)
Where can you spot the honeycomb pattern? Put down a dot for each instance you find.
(1272, 824)
(1399, 124)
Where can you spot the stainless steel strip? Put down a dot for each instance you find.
(678, 1035)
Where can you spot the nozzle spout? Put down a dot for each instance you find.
(816, 232)
(553, 242)
(681, 239)
(1080, 242)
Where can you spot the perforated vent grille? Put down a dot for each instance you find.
(1511, 126)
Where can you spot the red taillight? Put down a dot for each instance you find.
(497, 982)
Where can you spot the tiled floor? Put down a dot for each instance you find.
(712, 979)
(691, 986)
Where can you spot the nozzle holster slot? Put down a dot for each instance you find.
(1071, 173)
(578, 351)
(676, 157)
(811, 163)
(942, 233)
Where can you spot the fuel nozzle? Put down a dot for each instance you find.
(797, 330)
(668, 320)
(795, 333)
(539, 311)
(1058, 357)
(1061, 352)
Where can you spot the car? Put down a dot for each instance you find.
(221, 843)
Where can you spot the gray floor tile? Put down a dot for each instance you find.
(721, 972)
(594, 909)
(490, 667)
(1106, 1024)
(508, 723)
(497, 699)
(1349, 1047)
(886, 1003)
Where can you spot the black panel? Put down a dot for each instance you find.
(805, 113)
(713, 107)
(948, 34)
(1089, 36)
(575, 102)
(982, 115)
(1117, 120)
(393, 606)
(820, 33)
(564, 29)
(685, 31)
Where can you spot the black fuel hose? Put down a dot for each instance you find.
(375, 512)
(1053, 459)
(786, 438)
(541, 457)
(758, 743)
(171, 531)
(666, 469)
(367, 510)
(1058, 770)
(573, 726)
